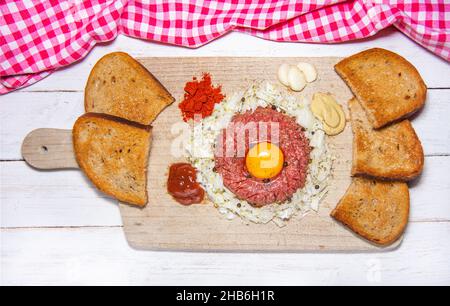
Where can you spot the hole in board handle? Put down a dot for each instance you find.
(44, 149)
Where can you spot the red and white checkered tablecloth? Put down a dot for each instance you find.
(39, 36)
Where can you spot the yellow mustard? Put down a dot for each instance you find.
(329, 112)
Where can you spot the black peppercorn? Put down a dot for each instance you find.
(285, 164)
(317, 186)
(243, 99)
(265, 181)
(274, 107)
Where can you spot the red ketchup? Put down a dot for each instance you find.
(182, 184)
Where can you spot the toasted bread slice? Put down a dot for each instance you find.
(393, 152)
(376, 210)
(387, 85)
(114, 155)
(118, 85)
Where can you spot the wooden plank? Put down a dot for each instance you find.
(430, 193)
(174, 222)
(101, 256)
(29, 197)
(47, 257)
(319, 233)
(315, 232)
(22, 112)
(149, 220)
(432, 67)
(66, 198)
(49, 149)
(212, 231)
(432, 125)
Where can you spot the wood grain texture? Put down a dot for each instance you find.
(31, 198)
(101, 256)
(49, 149)
(64, 199)
(35, 110)
(431, 67)
(212, 232)
(23, 112)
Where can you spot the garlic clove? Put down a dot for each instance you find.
(283, 71)
(309, 71)
(296, 79)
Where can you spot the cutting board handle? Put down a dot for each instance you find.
(49, 149)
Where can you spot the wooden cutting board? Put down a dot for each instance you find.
(166, 225)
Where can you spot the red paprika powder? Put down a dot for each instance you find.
(200, 97)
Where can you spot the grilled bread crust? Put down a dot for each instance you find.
(114, 155)
(118, 85)
(393, 152)
(376, 210)
(388, 86)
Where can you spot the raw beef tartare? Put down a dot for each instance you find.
(250, 128)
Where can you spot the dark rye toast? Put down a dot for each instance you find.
(114, 155)
(118, 85)
(393, 152)
(376, 210)
(388, 86)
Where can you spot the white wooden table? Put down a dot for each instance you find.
(57, 229)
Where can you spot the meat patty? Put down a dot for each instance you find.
(249, 128)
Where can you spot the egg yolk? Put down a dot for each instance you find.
(264, 160)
